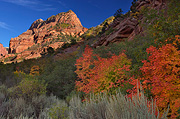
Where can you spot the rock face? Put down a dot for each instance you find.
(42, 32)
(129, 27)
(3, 50)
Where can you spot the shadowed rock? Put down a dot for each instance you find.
(128, 28)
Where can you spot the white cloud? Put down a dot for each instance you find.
(4, 25)
(22, 2)
(33, 4)
(44, 9)
(63, 4)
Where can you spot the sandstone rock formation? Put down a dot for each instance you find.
(3, 50)
(129, 27)
(44, 34)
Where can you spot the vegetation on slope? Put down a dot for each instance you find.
(94, 32)
(151, 61)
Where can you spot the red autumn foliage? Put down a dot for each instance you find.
(162, 77)
(111, 73)
(84, 71)
(101, 74)
(161, 74)
(135, 82)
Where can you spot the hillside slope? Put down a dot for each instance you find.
(127, 26)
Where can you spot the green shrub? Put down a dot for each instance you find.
(93, 32)
(60, 77)
(162, 24)
(64, 25)
(28, 87)
(135, 50)
(6, 74)
(4, 91)
(38, 107)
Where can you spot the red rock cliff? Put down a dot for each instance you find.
(40, 32)
(129, 27)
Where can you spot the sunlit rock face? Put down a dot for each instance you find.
(3, 50)
(42, 34)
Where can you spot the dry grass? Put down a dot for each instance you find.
(101, 106)
(114, 107)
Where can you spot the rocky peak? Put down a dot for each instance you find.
(45, 33)
(68, 18)
(36, 23)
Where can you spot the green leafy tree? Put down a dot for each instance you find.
(28, 87)
(60, 77)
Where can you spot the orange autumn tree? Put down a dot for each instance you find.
(162, 77)
(102, 74)
(111, 73)
(84, 71)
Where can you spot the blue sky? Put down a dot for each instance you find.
(16, 16)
